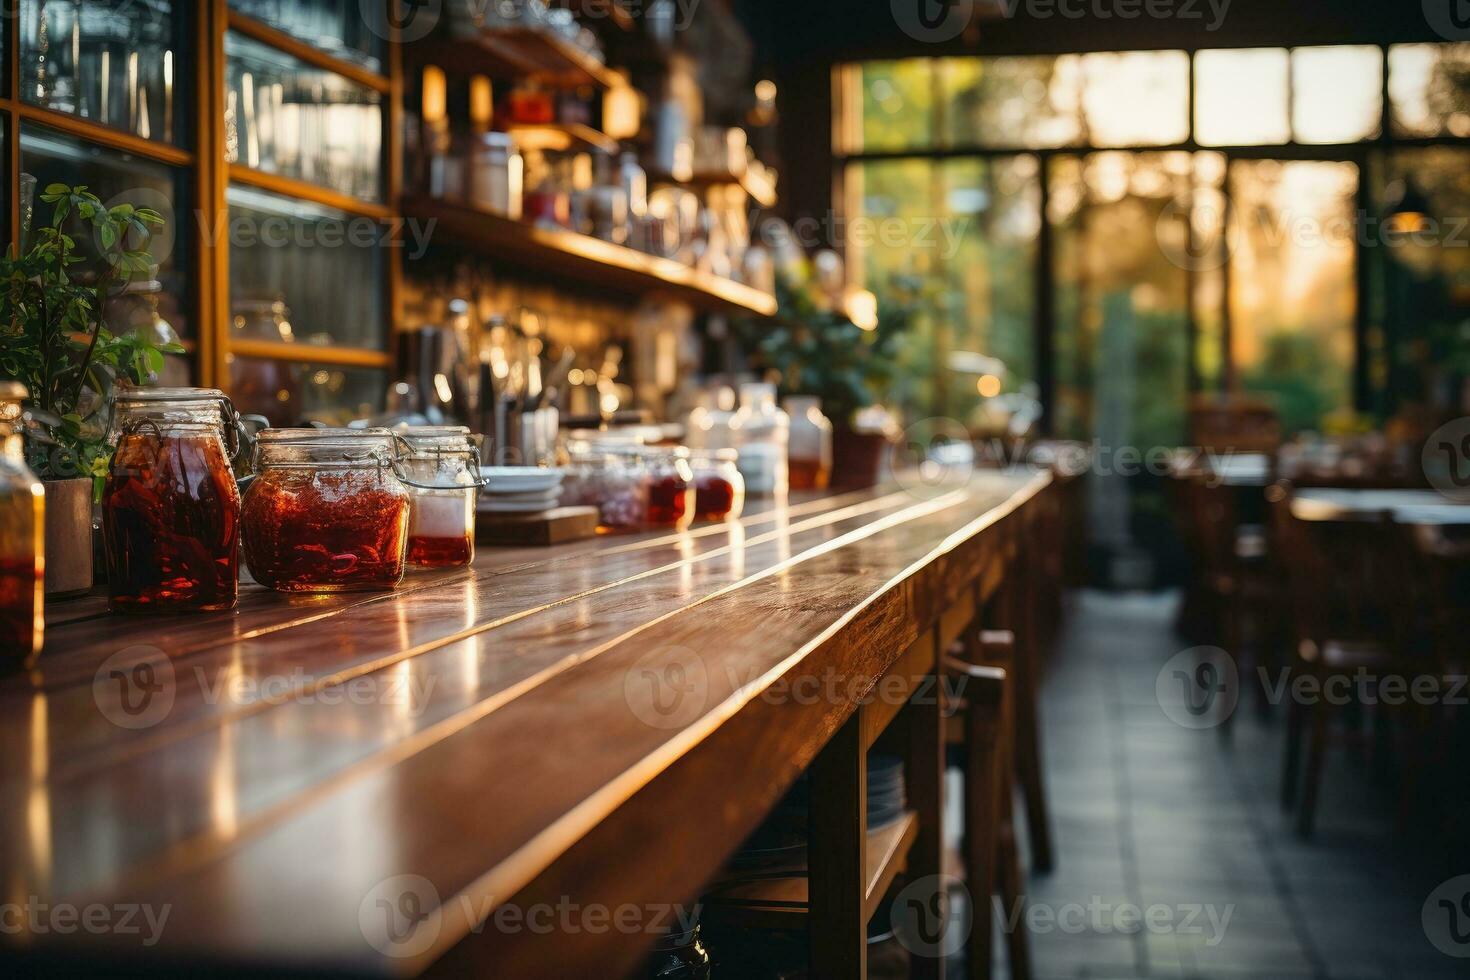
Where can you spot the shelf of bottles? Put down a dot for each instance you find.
(306, 95)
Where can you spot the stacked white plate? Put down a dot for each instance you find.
(519, 489)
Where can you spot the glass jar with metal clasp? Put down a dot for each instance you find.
(170, 504)
(443, 476)
(328, 511)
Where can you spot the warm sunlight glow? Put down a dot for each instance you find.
(1240, 97)
(1336, 93)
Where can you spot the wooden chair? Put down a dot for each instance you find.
(1352, 586)
(1234, 423)
(979, 723)
(1015, 607)
(1236, 588)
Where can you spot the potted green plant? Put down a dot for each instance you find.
(54, 338)
(821, 346)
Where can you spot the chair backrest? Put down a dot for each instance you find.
(1214, 520)
(1348, 580)
(1235, 423)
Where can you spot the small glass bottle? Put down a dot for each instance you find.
(22, 552)
(810, 453)
(496, 175)
(445, 468)
(170, 504)
(762, 431)
(326, 512)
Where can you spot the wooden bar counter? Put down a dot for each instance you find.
(358, 784)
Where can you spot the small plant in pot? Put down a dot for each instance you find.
(54, 339)
(823, 344)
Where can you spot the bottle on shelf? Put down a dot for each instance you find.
(496, 175)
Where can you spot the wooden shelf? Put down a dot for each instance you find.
(309, 53)
(310, 353)
(759, 187)
(781, 903)
(574, 258)
(517, 51)
(562, 136)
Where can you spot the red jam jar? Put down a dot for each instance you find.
(327, 511)
(719, 489)
(170, 504)
(670, 482)
(443, 469)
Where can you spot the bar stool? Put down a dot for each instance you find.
(980, 729)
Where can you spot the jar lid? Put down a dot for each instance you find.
(722, 455)
(13, 391)
(138, 393)
(144, 399)
(323, 436)
(417, 434)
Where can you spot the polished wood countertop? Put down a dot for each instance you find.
(272, 777)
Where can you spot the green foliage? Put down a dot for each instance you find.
(1301, 377)
(53, 331)
(818, 350)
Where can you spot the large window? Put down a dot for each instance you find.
(1243, 219)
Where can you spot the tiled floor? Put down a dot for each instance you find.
(1148, 813)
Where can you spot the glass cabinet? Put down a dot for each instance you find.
(112, 63)
(260, 130)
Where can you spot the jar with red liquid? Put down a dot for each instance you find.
(327, 511)
(809, 449)
(719, 489)
(670, 483)
(170, 505)
(22, 554)
(443, 469)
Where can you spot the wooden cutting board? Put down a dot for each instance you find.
(549, 527)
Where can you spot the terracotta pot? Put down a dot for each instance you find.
(68, 537)
(858, 458)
